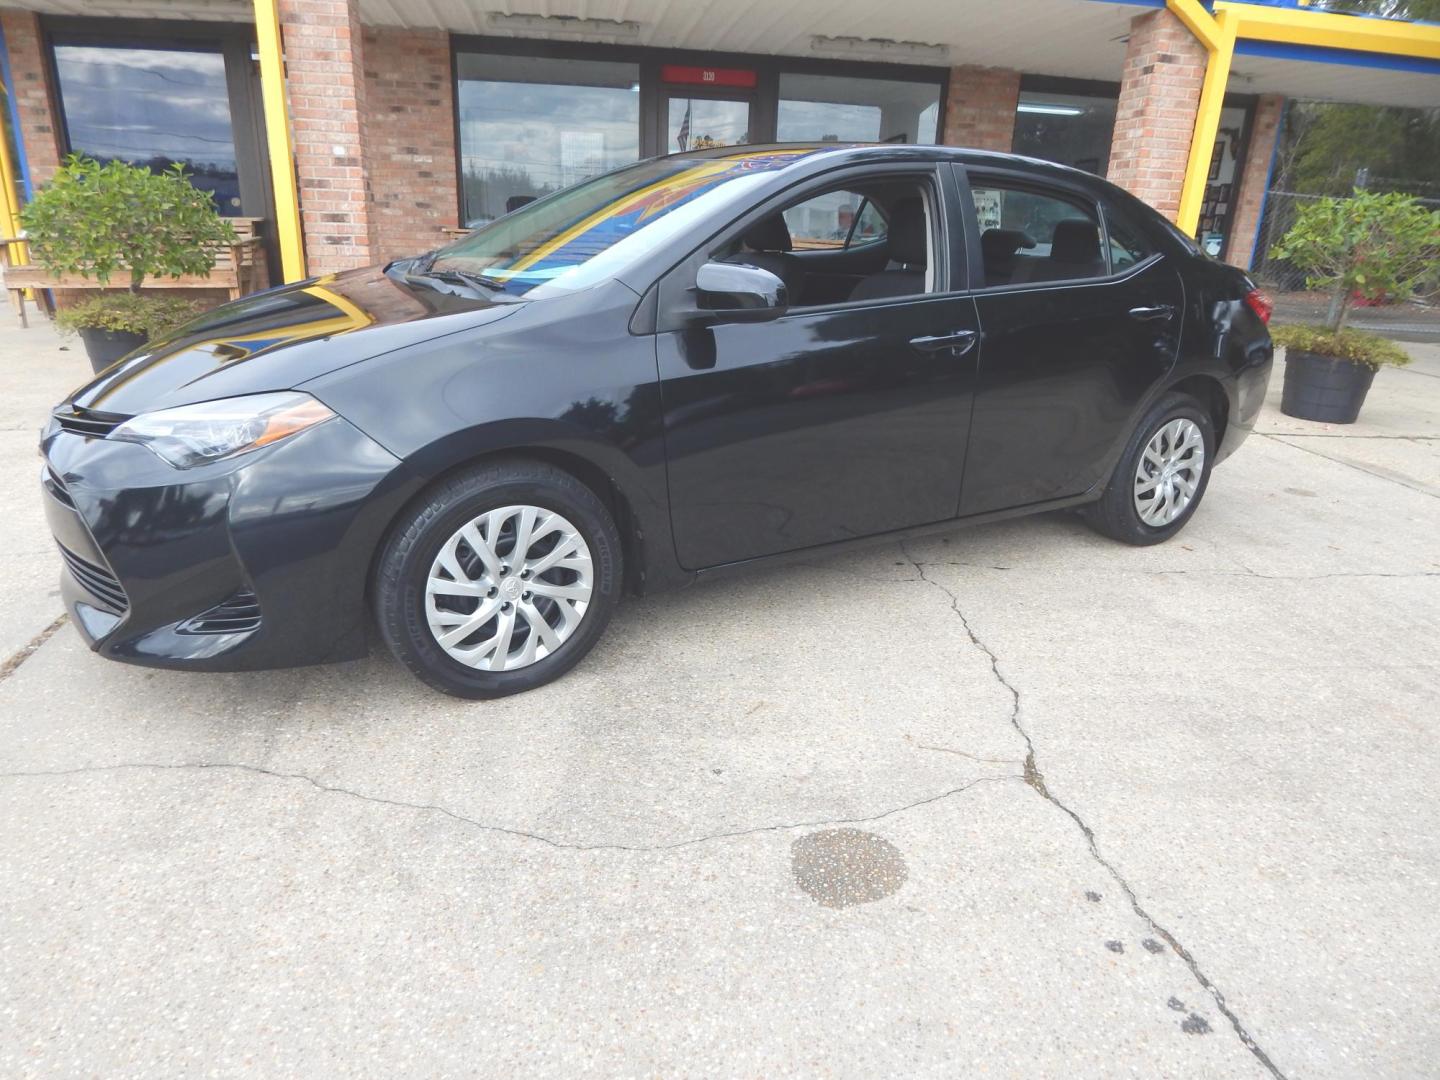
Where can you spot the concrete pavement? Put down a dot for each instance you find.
(1016, 801)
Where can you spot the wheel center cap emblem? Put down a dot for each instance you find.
(510, 588)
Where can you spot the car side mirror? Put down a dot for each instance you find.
(734, 293)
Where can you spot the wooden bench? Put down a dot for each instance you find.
(239, 268)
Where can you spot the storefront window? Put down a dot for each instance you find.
(1218, 210)
(1072, 129)
(530, 126)
(700, 123)
(153, 107)
(833, 108)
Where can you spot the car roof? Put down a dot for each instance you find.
(806, 156)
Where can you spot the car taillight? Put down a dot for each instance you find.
(1260, 304)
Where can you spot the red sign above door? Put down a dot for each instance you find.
(703, 76)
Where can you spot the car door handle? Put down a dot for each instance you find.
(962, 341)
(1159, 311)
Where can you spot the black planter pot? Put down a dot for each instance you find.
(1323, 388)
(104, 347)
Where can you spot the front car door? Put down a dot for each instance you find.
(837, 420)
(1081, 319)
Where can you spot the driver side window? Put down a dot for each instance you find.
(855, 243)
(833, 221)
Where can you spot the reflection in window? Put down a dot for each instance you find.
(1067, 128)
(530, 126)
(831, 108)
(152, 107)
(702, 123)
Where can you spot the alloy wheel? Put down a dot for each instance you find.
(508, 588)
(1169, 472)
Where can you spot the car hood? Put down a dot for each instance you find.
(278, 339)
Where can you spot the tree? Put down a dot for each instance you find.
(1371, 245)
(96, 220)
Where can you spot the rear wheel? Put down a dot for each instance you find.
(499, 580)
(1162, 475)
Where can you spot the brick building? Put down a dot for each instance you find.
(408, 120)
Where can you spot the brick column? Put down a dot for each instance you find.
(980, 108)
(34, 97)
(1159, 94)
(410, 135)
(325, 87)
(1253, 178)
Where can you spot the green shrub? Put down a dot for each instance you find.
(127, 312)
(1372, 350)
(1369, 245)
(99, 220)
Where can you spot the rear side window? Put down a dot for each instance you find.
(1032, 235)
(1128, 244)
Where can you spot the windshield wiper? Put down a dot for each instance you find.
(464, 277)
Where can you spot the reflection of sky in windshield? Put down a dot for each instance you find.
(151, 107)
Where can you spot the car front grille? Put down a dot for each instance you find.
(237, 614)
(80, 421)
(98, 581)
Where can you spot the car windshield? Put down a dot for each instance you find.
(584, 234)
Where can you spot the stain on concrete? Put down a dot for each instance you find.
(1115, 946)
(1176, 1004)
(839, 868)
(1302, 492)
(1195, 1024)
(1152, 946)
(1093, 897)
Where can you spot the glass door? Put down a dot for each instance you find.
(696, 119)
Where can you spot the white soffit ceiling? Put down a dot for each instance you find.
(1333, 82)
(1080, 38)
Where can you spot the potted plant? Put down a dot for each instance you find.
(113, 324)
(1369, 246)
(99, 220)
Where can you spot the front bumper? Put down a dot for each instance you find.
(256, 562)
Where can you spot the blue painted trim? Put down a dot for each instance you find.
(1269, 180)
(1348, 57)
(21, 163)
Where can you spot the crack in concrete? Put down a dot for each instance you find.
(12, 664)
(505, 830)
(1036, 780)
(963, 753)
(1388, 475)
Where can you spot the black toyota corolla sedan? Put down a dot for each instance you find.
(688, 364)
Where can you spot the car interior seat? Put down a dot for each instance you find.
(998, 248)
(1074, 253)
(907, 241)
(767, 244)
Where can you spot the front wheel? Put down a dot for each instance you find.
(1162, 475)
(499, 579)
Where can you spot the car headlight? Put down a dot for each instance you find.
(209, 431)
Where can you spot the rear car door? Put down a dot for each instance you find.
(837, 420)
(1081, 319)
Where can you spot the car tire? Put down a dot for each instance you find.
(429, 553)
(1127, 513)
